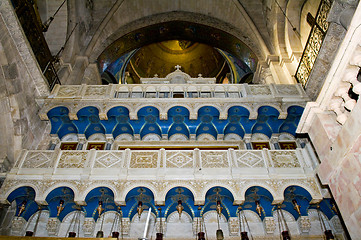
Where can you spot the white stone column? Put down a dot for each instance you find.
(126, 226)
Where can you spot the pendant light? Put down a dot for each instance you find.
(282, 224)
(327, 232)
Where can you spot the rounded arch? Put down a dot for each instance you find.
(212, 18)
(210, 186)
(20, 185)
(310, 187)
(62, 184)
(264, 185)
(175, 185)
(122, 196)
(99, 185)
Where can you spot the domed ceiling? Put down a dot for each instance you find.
(156, 49)
(160, 58)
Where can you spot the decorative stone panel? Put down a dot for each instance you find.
(108, 159)
(214, 159)
(246, 159)
(72, 159)
(143, 159)
(39, 160)
(260, 90)
(233, 226)
(179, 159)
(269, 225)
(284, 159)
(88, 226)
(68, 91)
(304, 224)
(53, 226)
(18, 225)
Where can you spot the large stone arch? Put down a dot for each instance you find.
(128, 16)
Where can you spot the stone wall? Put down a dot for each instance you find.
(21, 82)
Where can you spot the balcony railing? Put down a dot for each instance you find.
(314, 43)
(172, 163)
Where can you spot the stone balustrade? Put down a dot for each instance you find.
(164, 97)
(160, 170)
(168, 91)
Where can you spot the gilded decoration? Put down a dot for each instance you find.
(284, 159)
(72, 159)
(143, 159)
(214, 159)
(179, 159)
(199, 187)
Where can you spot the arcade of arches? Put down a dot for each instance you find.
(180, 119)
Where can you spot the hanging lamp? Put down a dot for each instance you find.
(327, 232)
(159, 236)
(242, 224)
(100, 209)
(282, 224)
(201, 235)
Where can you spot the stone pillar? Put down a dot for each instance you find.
(274, 142)
(81, 142)
(304, 224)
(18, 226)
(88, 226)
(269, 225)
(233, 225)
(53, 142)
(247, 140)
(110, 140)
(53, 226)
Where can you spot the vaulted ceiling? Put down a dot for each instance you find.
(259, 25)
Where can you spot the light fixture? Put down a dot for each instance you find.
(327, 232)
(242, 224)
(259, 208)
(296, 206)
(140, 208)
(22, 208)
(180, 208)
(201, 235)
(159, 236)
(60, 208)
(282, 224)
(100, 209)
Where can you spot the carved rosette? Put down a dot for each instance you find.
(17, 226)
(233, 226)
(53, 226)
(88, 226)
(304, 224)
(269, 225)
